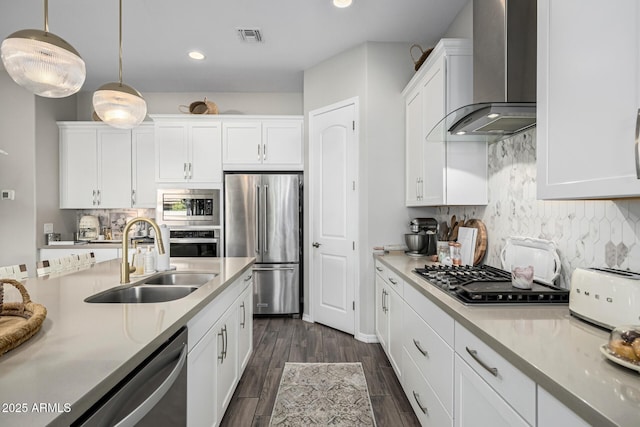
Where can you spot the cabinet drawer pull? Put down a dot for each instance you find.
(637, 145)
(423, 408)
(393, 281)
(425, 353)
(246, 279)
(474, 354)
(378, 268)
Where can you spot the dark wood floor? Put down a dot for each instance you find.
(280, 340)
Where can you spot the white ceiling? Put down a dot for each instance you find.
(157, 34)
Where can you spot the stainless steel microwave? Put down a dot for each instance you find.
(188, 207)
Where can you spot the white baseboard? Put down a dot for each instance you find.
(307, 318)
(368, 338)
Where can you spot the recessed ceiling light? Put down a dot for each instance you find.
(342, 3)
(196, 55)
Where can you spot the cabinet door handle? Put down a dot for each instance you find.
(474, 354)
(264, 151)
(425, 353)
(190, 170)
(637, 145)
(243, 315)
(423, 408)
(226, 340)
(258, 151)
(417, 188)
(184, 170)
(99, 197)
(221, 356)
(94, 197)
(133, 197)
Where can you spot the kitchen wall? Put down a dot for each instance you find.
(588, 233)
(228, 102)
(30, 136)
(376, 73)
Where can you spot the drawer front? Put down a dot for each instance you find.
(433, 315)
(511, 384)
(432, 356)
(424, 402)
(393, 280)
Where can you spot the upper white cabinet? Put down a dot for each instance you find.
(95, 166)
(105, 167)
(143, 183)
(263, 143)
(588, 99)
(188, 149)
(441, 173)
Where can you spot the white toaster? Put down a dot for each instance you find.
(605, 297)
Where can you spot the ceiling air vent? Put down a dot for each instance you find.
(250, 35)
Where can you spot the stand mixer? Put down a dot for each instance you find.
(424, 239)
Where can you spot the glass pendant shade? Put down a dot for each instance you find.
(43, 63)
(119, 105)
(342, 3)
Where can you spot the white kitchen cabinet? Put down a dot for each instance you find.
(263, 144)
(552, 413)
(506, 381)
(389, 308)
(218, 347)
(143, 184)
(477, 404)
(245, 324)
(188, 149)
(436, 172)
(95, 166)
(588, 99)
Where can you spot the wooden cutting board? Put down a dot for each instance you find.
(481, 240)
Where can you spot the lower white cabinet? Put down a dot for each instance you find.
(388, 322)
(479, 405)
(552, 413)
(220, 342)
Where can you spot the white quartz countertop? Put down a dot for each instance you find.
(556, 350)
(84, 349)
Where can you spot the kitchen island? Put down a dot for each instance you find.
(83, 349)
(557, 354)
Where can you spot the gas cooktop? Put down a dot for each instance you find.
(489, 285)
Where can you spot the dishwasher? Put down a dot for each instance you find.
(154, 394)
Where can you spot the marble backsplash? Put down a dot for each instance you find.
(116, 219)
(588, 233)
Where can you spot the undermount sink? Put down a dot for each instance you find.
(162, 287)
(180, 279)
(141, 294)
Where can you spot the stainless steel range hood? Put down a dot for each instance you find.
(504, 75)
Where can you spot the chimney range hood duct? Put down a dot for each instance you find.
(504, 75)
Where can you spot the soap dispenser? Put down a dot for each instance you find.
(150, 260)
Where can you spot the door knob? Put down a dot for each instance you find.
(316, 245)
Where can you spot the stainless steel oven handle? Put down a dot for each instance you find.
(274, 269)
(191, 240)
(137, 414)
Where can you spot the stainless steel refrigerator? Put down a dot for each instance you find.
(263, 219)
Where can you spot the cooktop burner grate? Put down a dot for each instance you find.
(489, 285)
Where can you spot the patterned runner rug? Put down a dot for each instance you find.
(322, 394)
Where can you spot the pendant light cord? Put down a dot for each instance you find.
(120, 36)
(46, 16)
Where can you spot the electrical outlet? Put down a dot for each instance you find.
(48, 228)
(7, 194)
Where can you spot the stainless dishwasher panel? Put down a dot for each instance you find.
(154, 394)
(276, 289)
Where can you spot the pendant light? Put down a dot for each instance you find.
(42, 62)
(118, 104)
(342, 3)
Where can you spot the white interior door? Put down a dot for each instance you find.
(333, 172)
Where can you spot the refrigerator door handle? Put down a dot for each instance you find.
(266, 218)
(257, 216)
(274, 269)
